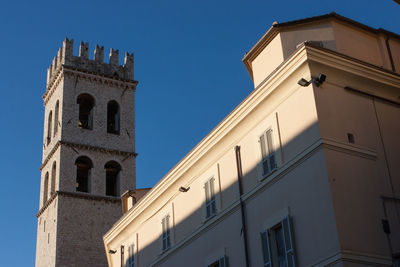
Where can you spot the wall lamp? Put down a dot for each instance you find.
(183, 189)
(318, 81)
(112, 251)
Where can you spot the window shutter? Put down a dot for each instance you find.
(271, 152)
(222, 262)
(289, 250)
(206, 189)
(129, 261)
(269, 142)
(263, 148)
(207, 204)
(212, 188)
(212, 194)
(162, 243)
(266, 249)
(168, 236)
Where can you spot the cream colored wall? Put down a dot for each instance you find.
(294, 36)
(299, 131)
(222, 239)
(335, 35)
(304, 194)
(395, 50)
(359, 44)
(318, 176)
(388, 116)
(358, 172)
(268, 59)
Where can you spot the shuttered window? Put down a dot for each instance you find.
(211, 207)
(277, 245)
(267, 152)
(166, 237)
(131, 256)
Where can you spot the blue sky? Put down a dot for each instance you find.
(187, 61)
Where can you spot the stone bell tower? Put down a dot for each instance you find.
(88, 154)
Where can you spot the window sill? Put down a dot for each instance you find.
(83, 192)
(163, 251)
(83, 128)
(207, 219)
(265, 176)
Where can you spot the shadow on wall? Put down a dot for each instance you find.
(278, 211)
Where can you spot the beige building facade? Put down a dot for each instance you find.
(88, 154)
(304, 172)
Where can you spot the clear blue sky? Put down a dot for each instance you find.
(187, 61)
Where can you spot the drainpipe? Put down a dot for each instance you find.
(244, 226)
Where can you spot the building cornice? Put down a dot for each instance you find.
(352, 65)
(51, 87)
(86, 147)
(64, 70)
(52, 151)
(77, 195)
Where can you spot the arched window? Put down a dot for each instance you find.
(113, 117)
(56, 117)
(45, 187)
(112, 178)
(86, 105)
(83, 168)
(49, 120)
(53, 179)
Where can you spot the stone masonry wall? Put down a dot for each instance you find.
(97, 182)
(75, 221)
(82, 62)
(46, 236)
(80, 228)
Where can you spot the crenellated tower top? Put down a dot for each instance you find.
(82, 62)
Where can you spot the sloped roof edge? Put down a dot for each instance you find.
(275, 28)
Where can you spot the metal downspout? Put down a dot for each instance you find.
(244, 226)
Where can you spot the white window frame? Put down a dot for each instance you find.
(287, 243)
(210, 198)
(166, 232)
(268, 153)
(221, 262)
(130, 261)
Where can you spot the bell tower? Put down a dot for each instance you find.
(88, 154)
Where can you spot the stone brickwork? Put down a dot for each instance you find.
(81, 236)
(70, 223)
(82, 62)
(47, 235)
